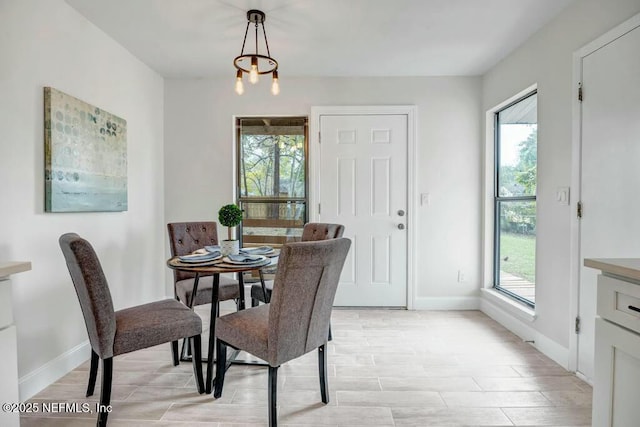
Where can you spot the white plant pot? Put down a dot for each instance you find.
(230, 247)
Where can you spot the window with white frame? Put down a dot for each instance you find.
(516, 160)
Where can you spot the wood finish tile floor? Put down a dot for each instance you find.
(386, 368)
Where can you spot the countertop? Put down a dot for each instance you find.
(625, 267)
(7, 268)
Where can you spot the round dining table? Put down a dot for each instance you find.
(215, 268)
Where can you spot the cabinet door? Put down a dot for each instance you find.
(6, 307)
(617, 376)
(9, 375)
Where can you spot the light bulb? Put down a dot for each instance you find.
(239, 85)
(253, 74)
(275, 86)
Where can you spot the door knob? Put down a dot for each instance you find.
(400, 226)
(400, 212)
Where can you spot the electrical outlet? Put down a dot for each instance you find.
(425, 199)
(461, 277)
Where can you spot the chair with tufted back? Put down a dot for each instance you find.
(111, 332)
(184, 238)
(312, 231)
(295, 322)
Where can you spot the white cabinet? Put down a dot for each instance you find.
(8, 356)
(9, 392)
(617, 376)
(617, 344)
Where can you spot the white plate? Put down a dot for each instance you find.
(261, 250)
(194, 259)
(255, 259)
(197, 264)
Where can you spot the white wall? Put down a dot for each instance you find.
(199, 146)
(46, 43)
(546, 59)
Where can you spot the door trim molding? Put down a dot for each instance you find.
(576, 174)
(314, 172)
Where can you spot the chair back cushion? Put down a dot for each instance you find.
(321, 231)
(93, 292)
(303, 293)
(186, 237)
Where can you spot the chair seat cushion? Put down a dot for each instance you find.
(155, 323)
(256, 290)
(228, 290)
(246, 330)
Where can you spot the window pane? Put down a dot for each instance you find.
(272, 174)
(272, 157)
(517, 149)
(272, 223)
(517, 248)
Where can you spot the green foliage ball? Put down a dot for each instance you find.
(230, 215)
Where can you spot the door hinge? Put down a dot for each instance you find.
(318, 208)
(579, 210)
(580, 91)
(319, 138)
(577, 324)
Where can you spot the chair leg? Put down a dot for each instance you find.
(196, 344)
(273, 392)
(174, 353)
(93, 373)
(322, 367)
(105, 394)
(221, 362)
(330, 335)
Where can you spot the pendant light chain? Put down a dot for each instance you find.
(245, 38)
(266, 43)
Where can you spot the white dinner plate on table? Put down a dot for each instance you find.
(260, 250)
(199, 258)
(244, 259)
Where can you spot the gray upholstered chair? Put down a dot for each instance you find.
(312, 231)
(112, 333)
(184, 238)
(295, 322)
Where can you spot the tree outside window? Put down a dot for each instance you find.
(516, 143)
(272, 178)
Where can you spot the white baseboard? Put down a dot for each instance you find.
(36, 381)
(446, 303)
(552, 350)
(585, 379)
(524, 329)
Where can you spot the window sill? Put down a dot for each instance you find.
(509, 305)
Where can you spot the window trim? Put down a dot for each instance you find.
(238, 170)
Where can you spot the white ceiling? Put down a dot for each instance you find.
(200, 38)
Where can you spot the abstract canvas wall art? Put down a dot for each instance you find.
(85, 156)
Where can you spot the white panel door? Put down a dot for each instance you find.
(363, 185)
(610, 168)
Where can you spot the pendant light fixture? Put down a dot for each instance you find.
(255, 64)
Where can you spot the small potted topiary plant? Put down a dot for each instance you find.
(230, 216)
